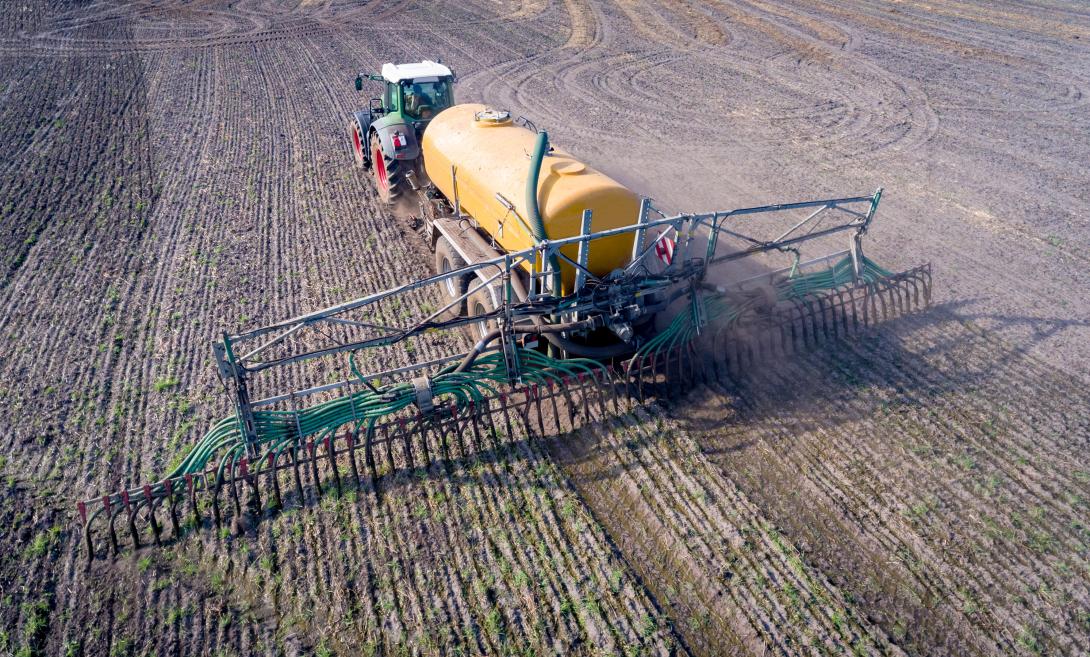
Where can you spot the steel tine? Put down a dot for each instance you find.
(565, 405)
(298, 476)
(480, 415)
(193, 509)
(798, 326)
(156, 530)
(172, 508)
(110, 516)
(506, 417)
(914, 301)
(853, 304)
(584, 394)
(783, 343)
(536, 394)
(277, 500)
(555, 406)
(903, 293)
(812, 324)
(458, 434)
(217, 515)
(642, 374)
(463, 423)
(817, 317)
(833, 300)
(89, 544)
(350, 440)
(523, 411)
(312, 458)
(451, 437)
(612, 377)
(115, 547)
(847, 309)
(654, 379)
(565, 386)
(473, 421)
(437, 428)
(369, 439)
(131, 513)
(489, 419)
(236, 520)
(250, 479)
(407, 440)
(603, 386)
(331, 453)
(421, 431)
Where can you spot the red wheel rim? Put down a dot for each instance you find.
(380, 168)
(357, 144)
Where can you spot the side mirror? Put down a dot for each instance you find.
(359, 83)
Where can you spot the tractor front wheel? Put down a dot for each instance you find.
(387, 172)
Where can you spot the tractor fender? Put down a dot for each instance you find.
(362, 118)
(386, 129)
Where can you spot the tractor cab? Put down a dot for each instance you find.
(385, 137)
(416, 91)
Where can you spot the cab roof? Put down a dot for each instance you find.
(414, 71)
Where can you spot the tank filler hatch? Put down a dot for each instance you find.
(489, 116)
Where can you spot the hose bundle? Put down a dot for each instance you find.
(283, 430)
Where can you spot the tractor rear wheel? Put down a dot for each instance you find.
(355, 138)
(447, 259)
(387, 172)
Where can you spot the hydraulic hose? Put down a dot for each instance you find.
(540, 329)
(537, 225)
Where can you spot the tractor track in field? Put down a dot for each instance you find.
(174, 170)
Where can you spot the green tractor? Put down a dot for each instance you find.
(385, 137)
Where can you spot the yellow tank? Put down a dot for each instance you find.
(491, 156)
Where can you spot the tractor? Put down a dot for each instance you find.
(385, 137)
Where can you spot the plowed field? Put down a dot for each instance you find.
(171, 171)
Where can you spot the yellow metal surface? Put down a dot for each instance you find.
(492, 157)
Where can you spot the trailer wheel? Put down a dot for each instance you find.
(447, 259)
(480, 303)
(387, 172)
(355, 138)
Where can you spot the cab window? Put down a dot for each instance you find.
(423, 100)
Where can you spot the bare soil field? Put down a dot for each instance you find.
(171, 171)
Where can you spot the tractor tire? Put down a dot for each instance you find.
(447, 259)
(387, 172)
(356, 141)
(478, 303)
